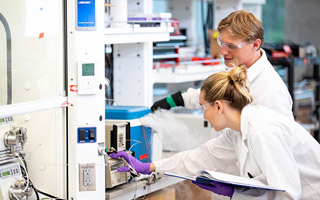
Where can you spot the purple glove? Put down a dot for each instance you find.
(140, 167)
(218, 188)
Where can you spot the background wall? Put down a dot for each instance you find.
(302, 21)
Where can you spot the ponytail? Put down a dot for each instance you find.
(228, 86)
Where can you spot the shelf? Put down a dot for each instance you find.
(164, 47)
(178, 37)
(165, 56)
(185, 73)
(134, 34)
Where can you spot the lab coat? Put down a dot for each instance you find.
(274, 149)
(266, 88)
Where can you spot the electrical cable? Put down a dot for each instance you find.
(26, 176)
(31, 184)
(49, 195)
(23, 165)
(36, 192)
(14, 195)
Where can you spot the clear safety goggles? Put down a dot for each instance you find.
(204, 107)
(229, 46)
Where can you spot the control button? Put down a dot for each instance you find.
(82, 135)
(91, 134)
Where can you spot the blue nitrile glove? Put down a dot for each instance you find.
(140, 167)
(169, 102)
(216, 187)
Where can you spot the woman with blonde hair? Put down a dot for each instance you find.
(265, 145)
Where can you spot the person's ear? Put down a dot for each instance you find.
(257, 44)
(219, 106)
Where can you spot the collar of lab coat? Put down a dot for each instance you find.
(257, 67)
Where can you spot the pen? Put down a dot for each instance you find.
(250, 176)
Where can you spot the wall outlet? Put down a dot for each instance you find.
(87, 177)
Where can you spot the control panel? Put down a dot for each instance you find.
(87, 134)
(6, 120)
(10, 170)
(9, 174)
(87, 78)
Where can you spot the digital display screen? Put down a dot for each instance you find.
(114, 167)
(88, 69)
(7, 173)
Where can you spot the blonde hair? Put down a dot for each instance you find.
(228, 86)
(242, 24)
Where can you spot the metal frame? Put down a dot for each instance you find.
(85, 110)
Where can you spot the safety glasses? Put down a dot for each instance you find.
(204, 107)
(229, 46)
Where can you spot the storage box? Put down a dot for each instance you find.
(140, 136)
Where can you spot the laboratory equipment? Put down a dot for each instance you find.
(113, 177)
(12, 140)
(140, 136)
(115, 139)
(12, 186)
(117, 135)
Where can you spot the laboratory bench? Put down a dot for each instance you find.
(137, 189)
(159, 189)
(166, 188)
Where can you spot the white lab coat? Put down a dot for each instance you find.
(266, 88)
(274, 149)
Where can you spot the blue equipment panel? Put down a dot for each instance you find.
(87, 134)
(86, 15)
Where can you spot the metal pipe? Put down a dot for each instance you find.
(9, 63)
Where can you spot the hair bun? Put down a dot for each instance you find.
(239, 74)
